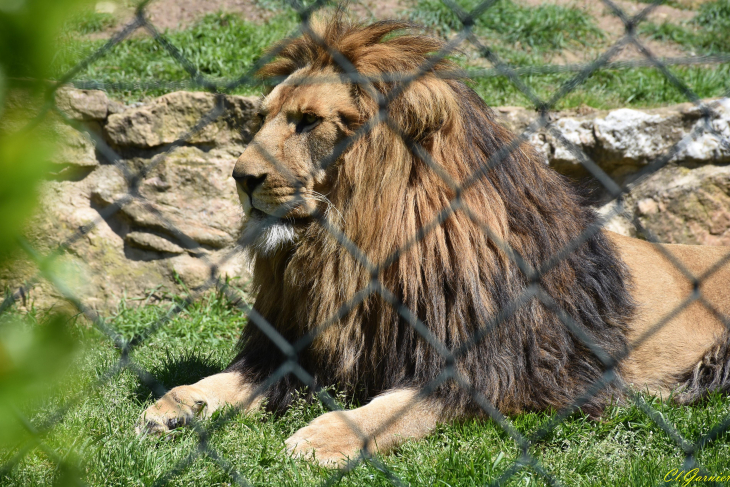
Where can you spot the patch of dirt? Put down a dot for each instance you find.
(380, 9)
(629, 51)
(692, 4)
(178, 14)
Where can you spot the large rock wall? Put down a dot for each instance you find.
(687, 201)
(179, 213)
(183, 214)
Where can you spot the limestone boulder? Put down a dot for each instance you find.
(679, 205)
(183, 115)
(622, 141)
(149, 219)
(83, 105)
(77, 149)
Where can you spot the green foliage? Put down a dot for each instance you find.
(35, 355)
(225, 46)
(708, 32)
(212, 319)
(28, 33)
(542, 28)
(713, 22)
(24, 155)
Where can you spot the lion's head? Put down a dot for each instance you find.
(430, 196)
(299, 157)
(285, 172)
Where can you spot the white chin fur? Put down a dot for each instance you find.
(265, 237)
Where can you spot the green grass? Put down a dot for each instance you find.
(542, 28)
(707, 33)
(95, 440)
(219, 46)
(640, 87)
(89, 22)
(224, 46)
(528, 36)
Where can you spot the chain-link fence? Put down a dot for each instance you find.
(450, 357)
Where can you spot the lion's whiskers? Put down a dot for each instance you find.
(317, 196)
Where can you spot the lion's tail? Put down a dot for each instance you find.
(710, 374)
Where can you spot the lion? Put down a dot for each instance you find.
(400, 256)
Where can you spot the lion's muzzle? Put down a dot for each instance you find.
(247, 182)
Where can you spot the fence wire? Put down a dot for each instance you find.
(290, 350)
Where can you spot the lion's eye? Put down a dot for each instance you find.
(259, 121)
(308, 122)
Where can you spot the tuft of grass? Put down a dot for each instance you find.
(707, 33)
(541, 28)
(94, 440)
(89, 22)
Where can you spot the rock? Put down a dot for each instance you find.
(148, 241)
(193, 272)
(83, 105)
(682, 205)
(179, 115)
(620, 141)
(148, 218)
(629, 136)
(712, 142)
(647, 206)
(76, 149)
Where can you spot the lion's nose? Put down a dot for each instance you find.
(248, 182)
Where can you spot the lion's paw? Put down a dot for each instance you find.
(328, 440)
(176, 408)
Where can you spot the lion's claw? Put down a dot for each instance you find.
(176, 408)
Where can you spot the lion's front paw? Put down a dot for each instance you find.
(176, 408)
(328, 440)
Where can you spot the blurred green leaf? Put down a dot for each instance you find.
(29, 30)
(24, 156)
(34, 358)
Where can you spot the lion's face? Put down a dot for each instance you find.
(284, 174)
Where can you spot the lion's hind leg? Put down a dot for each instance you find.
(710, 374)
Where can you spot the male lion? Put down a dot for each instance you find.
(464, 278)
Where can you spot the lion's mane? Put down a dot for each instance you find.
(456, 279)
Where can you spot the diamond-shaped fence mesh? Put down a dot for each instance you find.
(450, 356)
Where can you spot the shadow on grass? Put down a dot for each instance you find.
(180, 368)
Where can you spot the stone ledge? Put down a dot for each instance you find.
(624, 140)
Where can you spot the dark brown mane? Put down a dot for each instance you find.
(456, 279)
